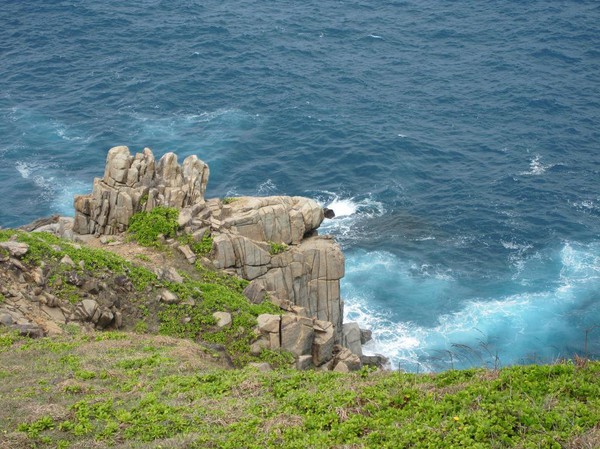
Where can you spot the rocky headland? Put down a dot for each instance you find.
(272, 243)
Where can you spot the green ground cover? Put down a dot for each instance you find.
(128, 391)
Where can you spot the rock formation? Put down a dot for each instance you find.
(134, 183)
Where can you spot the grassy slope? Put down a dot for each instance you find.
(136, 391)
(129, 390)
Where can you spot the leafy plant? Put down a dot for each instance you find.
(277, 248)
(145, 227)
(229, 199)
(201, 248)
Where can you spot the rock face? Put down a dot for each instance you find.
(135, 183)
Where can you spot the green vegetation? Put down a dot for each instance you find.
(201, 248)
(145, 227)
(151, 391)
(229, 199)
(51, 249)
(277, 248)
(214, 292)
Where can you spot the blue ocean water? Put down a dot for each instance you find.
(458, 143)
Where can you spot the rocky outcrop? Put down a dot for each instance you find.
(305, 271)
(135, 183)
(271, 241)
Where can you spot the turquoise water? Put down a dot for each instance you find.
(457, 142)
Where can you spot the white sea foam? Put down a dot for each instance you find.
(343, 207)
(24, 169)
(267, 188)
(350, 212)
(483, 330)
(375, 36)
(536, 167)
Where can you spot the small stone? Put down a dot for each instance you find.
(223, 319)
(257, 347)
(118, 320)
(67, 260)
(106, 317)
(261, 366)
(169, 274)
(74, 278)
(6, 319)
(16, 249)
(341, 367)
(91, 286)
(168, 297)
(188, 253)
(89, 307)
(328, 213)
(304, 362)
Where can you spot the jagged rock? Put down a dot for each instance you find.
(91, 286)
(328, 213)
(15, 249)
(105, 319)
(322, 349)
(366, 335)
(74, 278)
(40, 223)
(377, 360)
(87, 309)
(348, 360)
(223, 319)
(187, 253)
(268, 323)
(49, 299)
(255, 292)
(341, 367)
(297, 334)
(250, 258)
(17, 264)
(309, 276)
(168, 297)
(304, 362)
(134, 183)
(351, 338)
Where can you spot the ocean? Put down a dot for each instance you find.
(457, 142)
